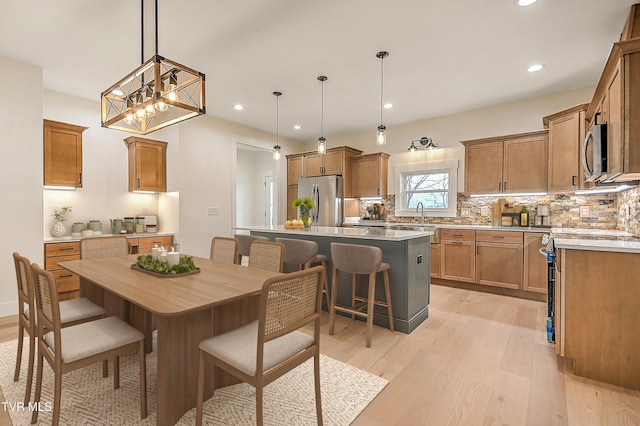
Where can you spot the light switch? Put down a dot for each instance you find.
(584, 211)
(465, 212)
(212, 211)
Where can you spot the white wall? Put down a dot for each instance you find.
(20, 173)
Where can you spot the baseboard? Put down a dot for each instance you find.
(8, 309)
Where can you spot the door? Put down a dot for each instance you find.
(268, 200)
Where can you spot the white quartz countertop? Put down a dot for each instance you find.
(340, 232)
(382, 224)
(68, 238)
(595, 239)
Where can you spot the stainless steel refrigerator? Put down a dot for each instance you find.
(326, 193)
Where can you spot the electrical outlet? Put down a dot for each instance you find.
(145, 210)
(484, 211)
(465, 212)
(213, 211)
(584, 211)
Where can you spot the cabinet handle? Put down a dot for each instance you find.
(138, 182)
(80, 178)
(498, 237)
(477, 249)
(457, 235)
(573, 180)
(322, 170)
(66, 248)
(66, 276)
(456, 242)
(505, 186)
(499, 186)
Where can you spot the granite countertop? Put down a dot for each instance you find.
(382, 224)
(69, 238)
(342, 232)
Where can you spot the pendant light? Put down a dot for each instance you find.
(322, 142)
(381, 137)
(276, 147)
(158, 93)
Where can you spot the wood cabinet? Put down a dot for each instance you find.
(62, 154)
(67, 283)
(369, 175)
(617, 99)
(333, 164)
(507, 164)
(147, 164)
(535, 265)
(566, 135)
(294, 173)
(458, 254)
(499, 258)
(435, 260)
(145, 244)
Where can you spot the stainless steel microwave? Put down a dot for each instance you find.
(594, 153)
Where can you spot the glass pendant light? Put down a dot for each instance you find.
(276, 147)
(381, 137)
(322, 142)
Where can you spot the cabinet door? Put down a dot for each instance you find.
(565, 142)
(435, 260)
(294, 170)
(483, 168)
(292, 194)
(499, 264)
(332, 164)
(62, 154)
(147, 164)
(458, 260)
(366, 177)
(535, 265)
(525, 165)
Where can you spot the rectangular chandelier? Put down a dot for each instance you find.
(157, 94)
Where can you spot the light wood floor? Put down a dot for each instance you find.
(480, 359)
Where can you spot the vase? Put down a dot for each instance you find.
(306, 220)
(58, 229)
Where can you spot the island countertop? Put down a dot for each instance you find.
(339, 232)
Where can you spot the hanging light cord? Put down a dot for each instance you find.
(277, 120)
(142, 31)
(156, 27)
(322, 110)
(381, 88)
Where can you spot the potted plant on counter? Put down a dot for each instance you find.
(304, 205)
(58, 229)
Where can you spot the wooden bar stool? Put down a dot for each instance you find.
(298, 252)
(366, 260)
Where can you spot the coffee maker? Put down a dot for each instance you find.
(542, 215)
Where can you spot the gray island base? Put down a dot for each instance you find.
(406, 251)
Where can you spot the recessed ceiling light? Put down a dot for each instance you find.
(297, 126)
(526, 2)
(388, 105)
(535, 67)
(238, 107)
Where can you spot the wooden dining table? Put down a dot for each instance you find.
(184, 310)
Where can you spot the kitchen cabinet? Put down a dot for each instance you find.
(435, 260)
(566, 135)
(147, 164)
(617, 100)
(145, 244)
(333, 164)
(458, 254)
(294, 169)
(507, 164)
(499, 258)
(67, 283)
(369, 175)
(535, 265)
(62, 154)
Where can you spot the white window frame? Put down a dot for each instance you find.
(442, 166)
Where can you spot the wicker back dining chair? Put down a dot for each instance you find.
(287, 303)
(91, 248)
(266, 255)
(244, 244)
(79, 345)
(73, 311)
(224, 250)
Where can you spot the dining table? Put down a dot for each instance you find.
(183, 310)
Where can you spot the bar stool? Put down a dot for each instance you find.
(366, 260)
(323, 259)
(244, 244)
(298, 252)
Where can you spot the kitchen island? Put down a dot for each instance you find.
(408, 253)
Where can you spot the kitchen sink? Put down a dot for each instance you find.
(435, 238)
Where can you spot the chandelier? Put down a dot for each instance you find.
(157, 94)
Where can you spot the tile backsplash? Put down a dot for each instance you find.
(605, 211)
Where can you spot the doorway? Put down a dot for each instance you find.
(255, 193)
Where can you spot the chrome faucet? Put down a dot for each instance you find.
(420, 206)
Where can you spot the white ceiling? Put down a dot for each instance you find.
(446, 56)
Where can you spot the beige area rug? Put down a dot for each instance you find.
(88, 399)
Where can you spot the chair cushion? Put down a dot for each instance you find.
(239, 348)
(78, 309)
(94, 337)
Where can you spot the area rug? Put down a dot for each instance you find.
(88, 399)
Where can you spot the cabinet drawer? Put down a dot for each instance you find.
(149, 242)
(61, 249)
(133, 242)
(66, 281)
(51, 263)
(458, 234)
(506, 237)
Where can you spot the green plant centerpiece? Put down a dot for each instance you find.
(184, 266)
(304, 205)
(59, 215)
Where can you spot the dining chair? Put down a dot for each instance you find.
(73, 311)
(244, 244)
(266, 255)
(366, 260)
(67, 349)
(224, 250)
(91, 248)
(264, 350)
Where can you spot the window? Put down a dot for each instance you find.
(434, 184)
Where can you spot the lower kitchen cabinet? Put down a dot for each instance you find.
(67, 283)
(535, 265)
(499, 258)
(145, 244)
(435, 260)
(458, 251)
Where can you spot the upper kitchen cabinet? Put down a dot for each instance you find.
(294, 168)
(369, 175)
(62, 154)
(617, 100)
(506, 164)
(337, 161)
(566, 134)
(147, 164)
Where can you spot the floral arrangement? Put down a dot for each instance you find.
(59, 214)
(305, 204)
